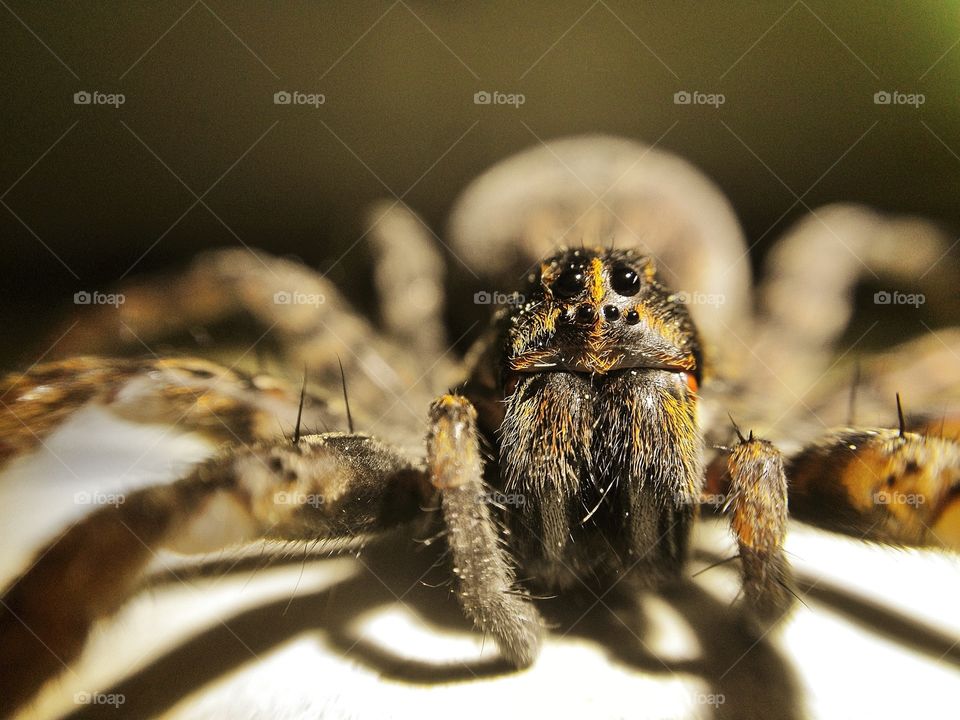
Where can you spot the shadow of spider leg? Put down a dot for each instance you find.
(481, 564)
(327, 486)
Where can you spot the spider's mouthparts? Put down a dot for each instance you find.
(603, 362)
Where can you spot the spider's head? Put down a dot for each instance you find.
(597, 311)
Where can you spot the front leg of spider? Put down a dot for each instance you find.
(484, 571)
(758, 504)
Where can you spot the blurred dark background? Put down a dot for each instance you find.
(93, 193)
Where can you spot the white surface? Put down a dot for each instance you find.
(92, 458)
(328, 638)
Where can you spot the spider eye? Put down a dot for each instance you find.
(570, 282)
(625, 281)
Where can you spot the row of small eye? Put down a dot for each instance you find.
(586, 314)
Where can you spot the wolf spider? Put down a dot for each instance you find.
(583, 398)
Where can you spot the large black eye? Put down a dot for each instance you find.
(625, 280)
(571, 282)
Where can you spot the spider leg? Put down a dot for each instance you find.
(218, 289)
(807, 295)
(274, 303)
(924, 370)
(483, 568)
(876, 484)
(758, 504)
(409, 274)
(880, 484)
(332, 486)
(187, 393)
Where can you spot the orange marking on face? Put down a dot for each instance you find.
(597, 290)
(598, 356)
(692, 383)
